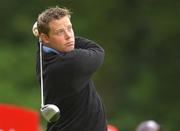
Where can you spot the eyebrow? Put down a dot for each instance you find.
(59, 29)
(70, 25)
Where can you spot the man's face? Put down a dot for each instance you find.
(61, 35)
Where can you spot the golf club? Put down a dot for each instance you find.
(50, 112)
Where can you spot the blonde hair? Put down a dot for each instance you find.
(48, 15)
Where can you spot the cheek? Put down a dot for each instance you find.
(58, 40)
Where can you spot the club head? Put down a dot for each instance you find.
(50, 112)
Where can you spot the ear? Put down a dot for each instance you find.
(44, 38)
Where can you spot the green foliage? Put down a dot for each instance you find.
(18, 85)
(140, 76)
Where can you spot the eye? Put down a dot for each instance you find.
(60, 32)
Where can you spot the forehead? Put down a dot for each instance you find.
(59, 23)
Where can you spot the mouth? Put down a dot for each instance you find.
(71, 43)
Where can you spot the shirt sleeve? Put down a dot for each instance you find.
(72, 71)
(88, 56)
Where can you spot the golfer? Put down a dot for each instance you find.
(68, 65)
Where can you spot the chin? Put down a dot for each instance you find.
(70, 49)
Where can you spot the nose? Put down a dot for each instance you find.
(68, 34)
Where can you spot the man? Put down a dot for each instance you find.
(68, 65)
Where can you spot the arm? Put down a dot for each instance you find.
(73, 69)
(88, 55)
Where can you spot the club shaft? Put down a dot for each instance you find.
(41, 72)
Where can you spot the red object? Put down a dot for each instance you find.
(14, 118)
(111, 128)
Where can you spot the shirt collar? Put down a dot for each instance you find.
(49, 50)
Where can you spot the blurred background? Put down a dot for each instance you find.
(139, 79)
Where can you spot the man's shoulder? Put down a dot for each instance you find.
(81, 39)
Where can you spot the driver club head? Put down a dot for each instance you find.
(50, 112)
